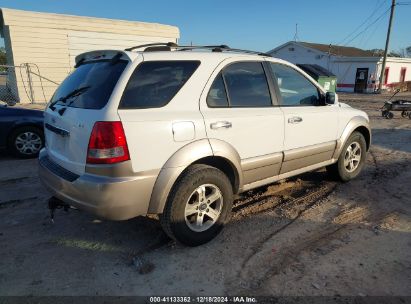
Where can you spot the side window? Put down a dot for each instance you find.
(247, 85)
(295, 89)
(217, 96)
(154, 83)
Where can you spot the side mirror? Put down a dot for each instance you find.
(330, 98)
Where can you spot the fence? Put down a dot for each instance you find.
(24, 83)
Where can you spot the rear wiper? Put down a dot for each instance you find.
(73, 93)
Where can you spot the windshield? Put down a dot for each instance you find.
(99, 77)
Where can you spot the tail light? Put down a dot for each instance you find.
(107, 143)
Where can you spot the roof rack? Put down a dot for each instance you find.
(169, 44)
(166, 46)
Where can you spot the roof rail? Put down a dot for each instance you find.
(163, 46)
(169, 44)
(220, 48)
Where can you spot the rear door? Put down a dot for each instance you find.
(239, 108)
(77, 104)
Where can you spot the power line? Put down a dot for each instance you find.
(372, 23)
(378, 7)
(377, 26)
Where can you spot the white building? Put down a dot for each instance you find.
(357, 70)
(50, 42)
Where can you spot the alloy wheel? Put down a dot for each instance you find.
(203, 207)
(28, 143)
(352, 157)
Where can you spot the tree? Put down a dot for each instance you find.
(394, 54)
(380, 52)
(408, 51)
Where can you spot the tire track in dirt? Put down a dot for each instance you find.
(296, 207)
(254, 270)
(300, 205)
(260, 265)
(265, 262)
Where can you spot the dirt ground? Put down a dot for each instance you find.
(304, 236)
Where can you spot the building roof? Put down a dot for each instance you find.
(30, 20)
(343, 51)
(346, 51)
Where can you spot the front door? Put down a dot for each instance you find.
(239, 112)
(310, 126)
(361, 80)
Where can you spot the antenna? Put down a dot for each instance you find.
(296, 38)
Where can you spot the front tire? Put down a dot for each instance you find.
(198, 206)
(351, 160)
(26, 142)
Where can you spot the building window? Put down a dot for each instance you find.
(291, 49)
(402, 74)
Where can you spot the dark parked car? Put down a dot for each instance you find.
(21, 130)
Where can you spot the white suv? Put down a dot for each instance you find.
(178, 131)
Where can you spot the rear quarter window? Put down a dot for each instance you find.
(154, 83)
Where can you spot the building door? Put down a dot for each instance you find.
(402, 75)
(361, 80)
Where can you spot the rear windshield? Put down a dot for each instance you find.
(154, 83)
(95, 80)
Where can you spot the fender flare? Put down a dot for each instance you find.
(181, 160)
(355, 123)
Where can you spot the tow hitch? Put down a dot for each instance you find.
(55, 203)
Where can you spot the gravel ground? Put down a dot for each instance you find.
(304, 236)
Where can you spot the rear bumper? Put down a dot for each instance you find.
(114, 198)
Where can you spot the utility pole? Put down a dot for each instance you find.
(386, 47)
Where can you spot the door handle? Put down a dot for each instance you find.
(221, 124)
(294, 120)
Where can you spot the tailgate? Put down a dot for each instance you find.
(79, 102)
(67, 137)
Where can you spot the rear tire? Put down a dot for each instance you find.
(351, 160)
(198, 206)
(26, 142)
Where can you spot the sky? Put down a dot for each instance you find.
(257, 25)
